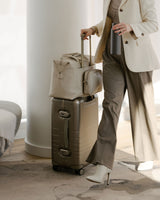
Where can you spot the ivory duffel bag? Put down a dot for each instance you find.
(74, 76)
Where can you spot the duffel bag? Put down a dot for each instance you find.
(69, 76)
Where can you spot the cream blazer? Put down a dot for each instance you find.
(140, 54)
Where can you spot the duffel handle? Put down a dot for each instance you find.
(82, 50)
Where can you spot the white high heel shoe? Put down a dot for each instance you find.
(145, 166)
(102, 175)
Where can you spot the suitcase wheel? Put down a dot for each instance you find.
(79, 171)
(60, 169)
(56, 168)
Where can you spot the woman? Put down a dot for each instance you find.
(132, 70)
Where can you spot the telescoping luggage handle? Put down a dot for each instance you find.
(82, 50)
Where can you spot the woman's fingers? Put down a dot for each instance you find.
(86, 32)
(83, 31)
(122, 32)
(122, 28)
(85, 37)
(120, 25)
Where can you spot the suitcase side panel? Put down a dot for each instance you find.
(83, 125)
(88, 128)
(58, 143)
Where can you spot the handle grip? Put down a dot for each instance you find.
(82, 50)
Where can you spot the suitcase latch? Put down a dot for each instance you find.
(65, 152)
(64, 114)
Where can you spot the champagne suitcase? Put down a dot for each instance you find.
(74, 132)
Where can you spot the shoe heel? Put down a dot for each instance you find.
(107, 182)
(108, 179)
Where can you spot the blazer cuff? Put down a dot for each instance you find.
(95, 30)
(135, 33)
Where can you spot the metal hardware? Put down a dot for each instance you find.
(65, 152)
(64, 114)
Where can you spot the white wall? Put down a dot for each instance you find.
(13, 52)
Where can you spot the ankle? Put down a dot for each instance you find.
(103, 165)
(104, 168)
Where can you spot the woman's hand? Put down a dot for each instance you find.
(122, 28)
(87, 32)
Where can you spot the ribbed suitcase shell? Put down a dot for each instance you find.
(79, 117)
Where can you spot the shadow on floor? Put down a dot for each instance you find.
(131, 187)
(35, 177)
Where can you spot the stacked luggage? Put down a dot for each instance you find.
(74, 84)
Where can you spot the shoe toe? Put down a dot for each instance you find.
(92, 179)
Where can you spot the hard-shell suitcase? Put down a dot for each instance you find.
(74, 132)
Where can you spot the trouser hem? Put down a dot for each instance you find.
(108, 164)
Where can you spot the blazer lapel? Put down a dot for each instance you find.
(123, 2)
(105, 9)
(106, 6)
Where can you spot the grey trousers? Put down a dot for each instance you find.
(116, 79)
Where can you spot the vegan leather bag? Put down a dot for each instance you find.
(74, 76)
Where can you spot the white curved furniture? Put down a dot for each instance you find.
(10, 118)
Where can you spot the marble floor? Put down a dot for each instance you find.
(26, 177)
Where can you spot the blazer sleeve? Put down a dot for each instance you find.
(149, 22)
(97, 29)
